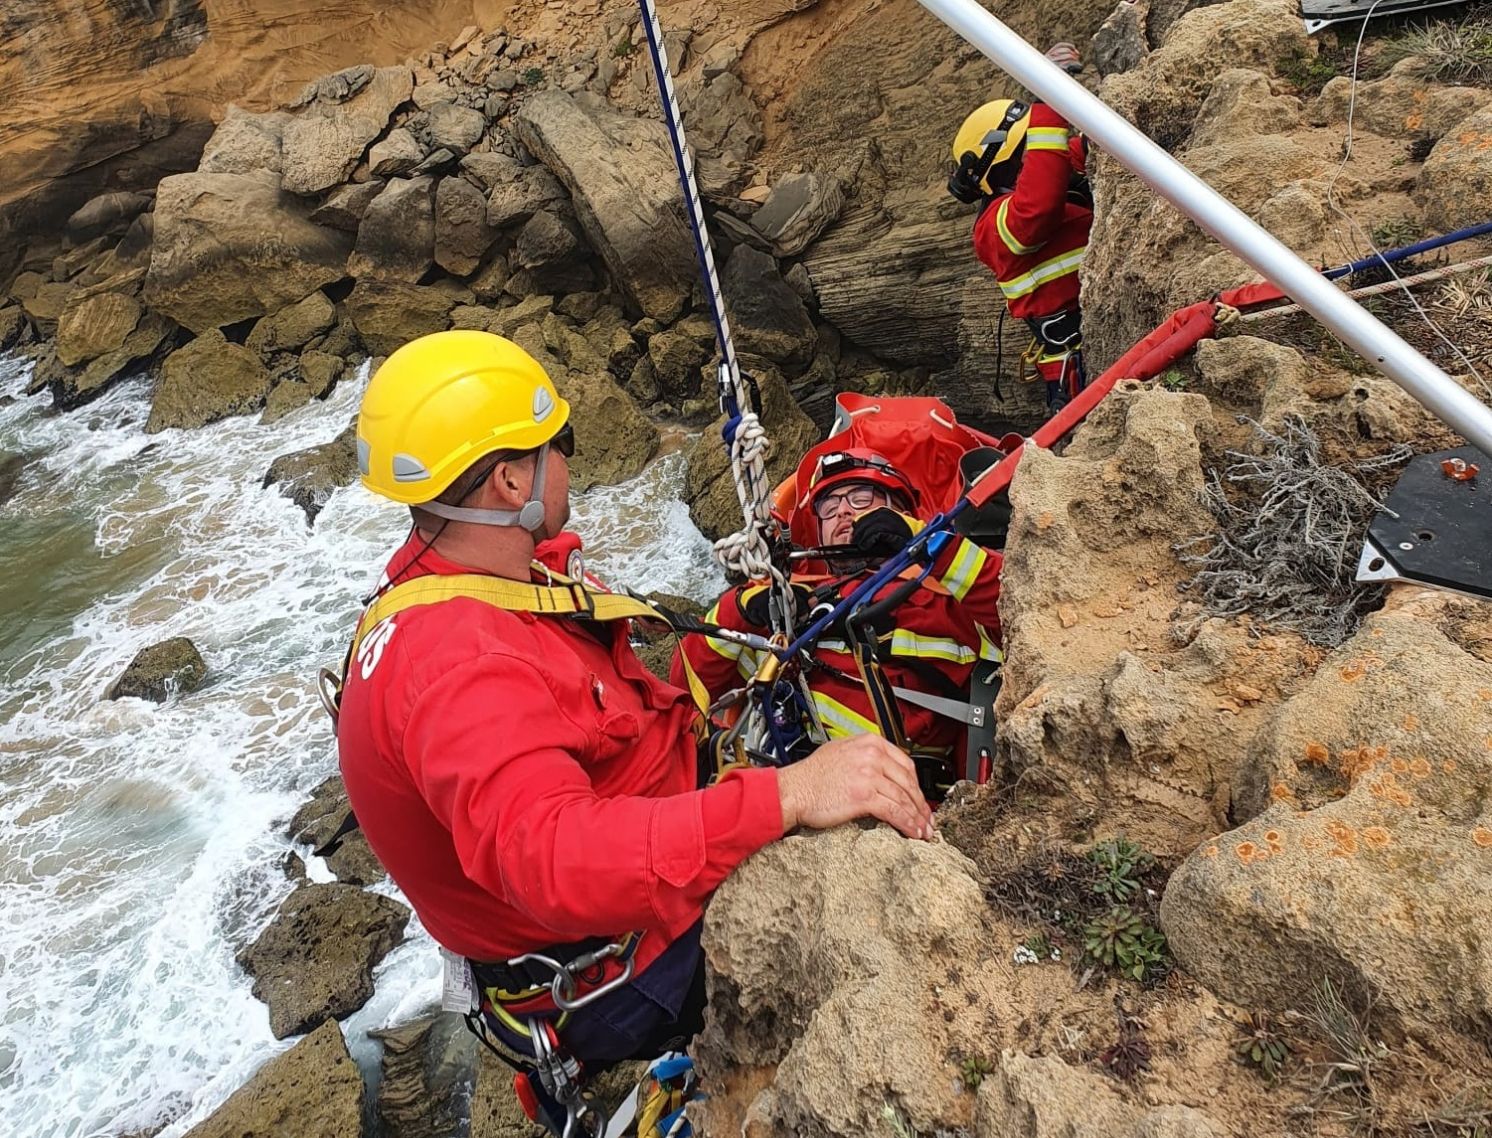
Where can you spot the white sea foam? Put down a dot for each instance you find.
(139, 843)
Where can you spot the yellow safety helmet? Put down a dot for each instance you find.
(441, 402)
(988, 139)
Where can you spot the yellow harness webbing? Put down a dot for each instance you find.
(565, 598)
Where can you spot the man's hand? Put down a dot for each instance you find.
(860, 777)
(881, 532)
(1066, 56)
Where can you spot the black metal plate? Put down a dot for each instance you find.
(1442, 535)
(1318, 14)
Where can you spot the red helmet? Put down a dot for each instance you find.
(857, 464)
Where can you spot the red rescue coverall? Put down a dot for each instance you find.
(1033, 238)
(528, 783)
(943, 628)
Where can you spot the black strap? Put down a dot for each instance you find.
(334, 843)
(516, 978)
(1059, 332)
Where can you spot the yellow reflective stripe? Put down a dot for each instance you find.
(833, 646)
(1033, 278)
(725, 648)
(1054, 357)
(840, 721)
(988, 649)
(907, 643)
(1007, 236)
(1047, 138)
(968, 563)
(749, 662)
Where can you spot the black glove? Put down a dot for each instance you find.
(881, 533)
(755, 602)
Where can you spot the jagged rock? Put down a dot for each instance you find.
(472, 317)
(335, 88)
(13, 326)
(427, 95)
(1402, 103)
(612, 340)
(323, 143)
(208, 380)
(767, 317)
(133, 249)
(245, 142)
(798, 210)
(801, 283)
(315, 960)
(308, 477)
(284, 397)
(160, 671)
(318, 819)
(613, 439)
(495, 1112)
(517, 192)
(529, 310)
(571, 348)
(24, 287)
(437, 162)
(708, 487)
(491, 280)
(676, 356)
(551, 256)
(229, 247)
(1457, 176)
(1030, 1097)
(96, 326)
(293, 326)
(77, 388)
(462, 235)
(1120, 44)
(397, 154)
(1162, 95)
(345, 206)
(322, 370)
(396, 238)
(454, 128)
(824, 950)
(427, 1065)
(629, 210)
(1240, 103)
(725, 130)
(107, 214)
(47, 303)
(342, 341)
(74, 265)
(1367, 860)
(314, 1090)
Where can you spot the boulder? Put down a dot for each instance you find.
(13, 326)
(490, 281)
(293, 326)
(107, 214)
(427, 1066)
(1401, 104)
(725, 130)
(462, 235)
(245, 142)
(824, 952)
(396, 238)
(24, 287)
(309, 477)
(160, 671)
(318, 819)
(437, 162)
(629, 210)
(316, 958)
(427, 95)
(767, 317)
(388, 314)
(395, 155)
(321, 370)
(798, 210)
(708, 487)
(76, 388)
(96, 326)
(551, 257)
(1457, 176)
(314, 1090)
(133, 250)
(228, 247)
(529, 310)
(48, 301)
(676, 355)
(79, 264)
(208, 380)
(448, 126)
(520, 192)
(1042, 1097)
(1120, 43)
(345, 206)
(324, 142)
(1370, 839)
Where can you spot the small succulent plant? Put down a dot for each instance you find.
(1123, 940)
(1261, 1046)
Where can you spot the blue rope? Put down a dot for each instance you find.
(1406, 251)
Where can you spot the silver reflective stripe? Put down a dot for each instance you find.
(407, 469)
(364, 457)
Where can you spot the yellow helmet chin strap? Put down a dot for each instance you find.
(530, 517)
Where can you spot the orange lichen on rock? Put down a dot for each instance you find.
(1317, 754)
(1281, 792)
(1375, 836)
(1210, 851)
(1486, 693)
(1401, 766)
(1449, 766)
(1248, 853)
(1482, 837)
(1419, 766)
(1044, 520)
(1274, 839)
(1344, 839)
(1353, 671)
(1357, 761)
(1411, 722)
(1387, 788)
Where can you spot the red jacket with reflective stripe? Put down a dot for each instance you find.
(938, 627)
(528, 783)
(1033, 238)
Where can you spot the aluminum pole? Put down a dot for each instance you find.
(1440, 394)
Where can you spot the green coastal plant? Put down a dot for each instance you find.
(1124, 941)
(1261, 1046)
(1121, 863)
